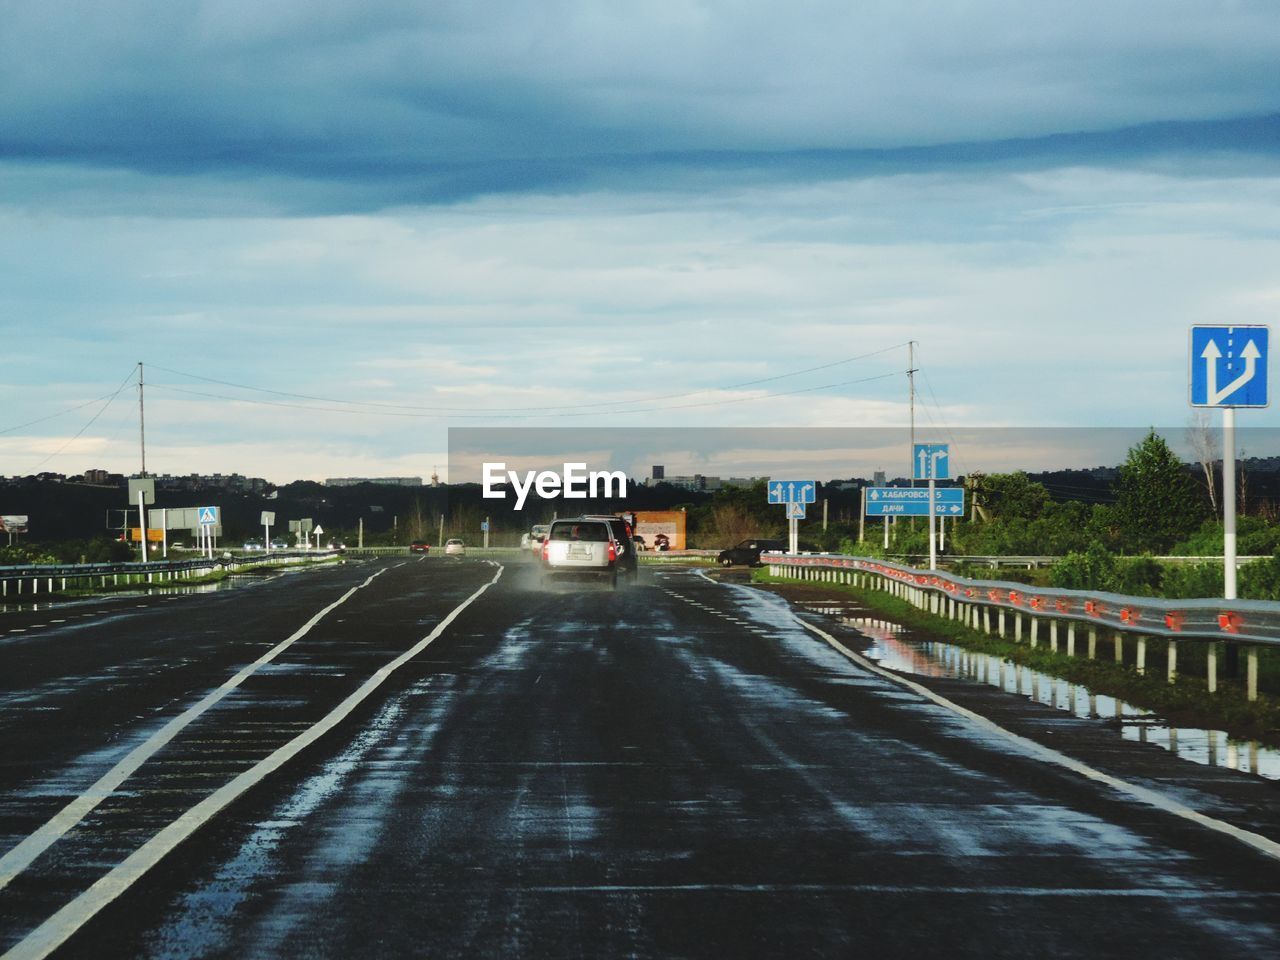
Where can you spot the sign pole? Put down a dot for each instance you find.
(1229, 502)
(933, 543)
(142, 523)
(164, 531)
(486, 533)
(793, 535)
(862, 518)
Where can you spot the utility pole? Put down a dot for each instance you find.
(142, 426)
(911, 400)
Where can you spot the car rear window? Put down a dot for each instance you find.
(587, 530)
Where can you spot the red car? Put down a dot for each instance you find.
(419, 546)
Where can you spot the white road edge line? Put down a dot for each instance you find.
(55, 931)
(1257, 841)
(21, 856)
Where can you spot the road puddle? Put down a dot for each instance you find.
(894, 648)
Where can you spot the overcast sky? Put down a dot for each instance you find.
(573, 213)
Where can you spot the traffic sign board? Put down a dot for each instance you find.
(795, 510)
(1229, 366)
(207, 516)
(484, 526)
(931, 461)
(914, 501)
(792, 491)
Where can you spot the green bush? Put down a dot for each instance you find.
(1094, 569)
(1260, 580)
(1138, 576)
(1190, 581)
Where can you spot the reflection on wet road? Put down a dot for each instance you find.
(897, 649)
(675, 769)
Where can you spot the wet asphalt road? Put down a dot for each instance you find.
(676, 769)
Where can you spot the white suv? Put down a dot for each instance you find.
(589, 546)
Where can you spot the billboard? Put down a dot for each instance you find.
(652, 524)
(13, 523)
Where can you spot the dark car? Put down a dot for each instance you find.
(747, 553)
(419, 546)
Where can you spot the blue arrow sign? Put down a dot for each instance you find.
(208, 516)
(792, 491)
(931, 461)
(1229, 366)
(914, 501)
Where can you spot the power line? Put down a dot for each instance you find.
(53, 416)
(92, 420)
(469, 411)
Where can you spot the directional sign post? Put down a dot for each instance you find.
(932, 461)
(913, 501)
(1229, 370)
(207, 519)
(793, 494)
(268, 521)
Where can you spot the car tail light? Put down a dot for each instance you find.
(613, 551)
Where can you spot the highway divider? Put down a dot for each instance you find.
(1058, 617)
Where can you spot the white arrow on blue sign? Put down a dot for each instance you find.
(208, 516)
(1229, 366)
(931, 461)
(792, 491)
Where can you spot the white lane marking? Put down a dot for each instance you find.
(1040, 752)
(62, 925)
(21, 856)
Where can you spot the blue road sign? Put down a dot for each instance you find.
(914, 501)
(208, 516)
(931, 461)
(795, 510)
(1229, 366)
(792, 491)
(484, 526)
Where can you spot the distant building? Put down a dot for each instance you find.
(659, 472)
(878, 478)
(708, 484)
(384, 481)
(232, 482)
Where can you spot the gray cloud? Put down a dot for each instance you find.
(398, 103)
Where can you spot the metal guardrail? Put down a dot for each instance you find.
(62, 576)
(1249, 623)
(1033, 561)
